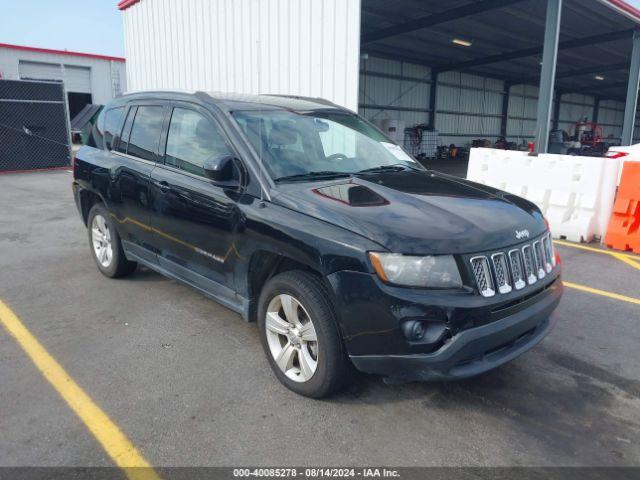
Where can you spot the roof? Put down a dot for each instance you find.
(506, 39)
(61, 52)
(256, 102)
(621, 6)
(239, 101)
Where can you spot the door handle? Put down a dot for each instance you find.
(163, 186)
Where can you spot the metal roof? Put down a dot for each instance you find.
(507, 37)
(61, 52)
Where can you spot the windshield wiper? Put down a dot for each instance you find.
(313, 176)
(396, 167)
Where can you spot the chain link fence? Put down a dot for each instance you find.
(34, 125)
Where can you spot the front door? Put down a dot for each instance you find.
(195, 221)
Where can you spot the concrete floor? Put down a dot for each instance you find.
(186, 379)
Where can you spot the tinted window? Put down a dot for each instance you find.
(191, 140)
(112, 125)
(145, 132)
(96, 136)
(126, 130)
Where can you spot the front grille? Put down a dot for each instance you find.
(549, 256)
(529, 268)
(482, 271)
(537, 253)
(506, 271)
(500, 267)
(515, 262)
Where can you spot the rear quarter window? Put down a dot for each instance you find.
(111, 126)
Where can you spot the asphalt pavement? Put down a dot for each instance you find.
(186, 380)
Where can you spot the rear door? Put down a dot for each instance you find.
(137, 149)
(196, 221)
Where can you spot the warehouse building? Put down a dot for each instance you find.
(87, 78)
(461, 70)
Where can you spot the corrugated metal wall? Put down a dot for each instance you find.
(468, 106)
(301, 47)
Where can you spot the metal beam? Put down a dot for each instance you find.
(528, 52)
(433, 92)
(596, 110)
(505, 110)
(548, 73)
(632, 92)
(575, 73)
(556, 110)
(466, 10)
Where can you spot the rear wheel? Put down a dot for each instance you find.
(105, 244)
(300, 336)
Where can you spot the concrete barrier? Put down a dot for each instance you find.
(575, 194)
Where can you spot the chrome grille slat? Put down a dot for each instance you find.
(529, 265)
(503, 280)
(539, 260)
(484, 279)
(517, 272)
(548, 253)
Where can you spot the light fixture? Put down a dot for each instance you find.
(599, 77)
(462, 42)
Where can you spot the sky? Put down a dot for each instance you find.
(93, 26)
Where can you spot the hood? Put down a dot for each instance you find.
(417, 212)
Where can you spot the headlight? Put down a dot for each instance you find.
(432, 271)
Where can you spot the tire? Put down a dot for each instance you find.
(110, 259)
(298, 354)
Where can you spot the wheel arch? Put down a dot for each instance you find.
(88, 199)
(264, 265)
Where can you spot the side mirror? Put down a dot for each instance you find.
(223, 170)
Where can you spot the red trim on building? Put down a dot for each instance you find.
(61, 52)
(624, 8)
(124, 4)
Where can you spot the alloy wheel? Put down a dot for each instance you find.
(101, 239)
(292, 338)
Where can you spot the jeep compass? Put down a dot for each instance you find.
(304, 218)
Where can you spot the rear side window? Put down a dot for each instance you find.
(145, 132)
(123, 144)
(112, 124)
(193, 138)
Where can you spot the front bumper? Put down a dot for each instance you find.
(484, 335)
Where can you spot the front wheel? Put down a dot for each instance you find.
(300, 335)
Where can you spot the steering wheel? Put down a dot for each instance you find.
(337, 156)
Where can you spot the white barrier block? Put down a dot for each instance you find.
(575, 194)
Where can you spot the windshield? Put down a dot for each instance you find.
(320, 142)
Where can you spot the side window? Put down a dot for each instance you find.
(193, 138)
(111, 125)
(145, 132)
(126, 131)
(96, 137)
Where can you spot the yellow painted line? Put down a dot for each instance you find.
(604, 293)
(596, 250)
(107, 433)
(629, 261)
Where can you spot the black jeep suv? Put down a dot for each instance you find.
(303, 217)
